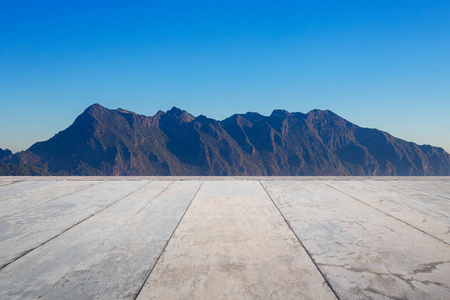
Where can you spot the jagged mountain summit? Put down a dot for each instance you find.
(120, 142)
(5, 153)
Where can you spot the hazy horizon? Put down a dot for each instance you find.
(381, 64)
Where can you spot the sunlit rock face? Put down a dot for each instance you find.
(119, 142)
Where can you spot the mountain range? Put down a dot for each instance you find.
(102, 141)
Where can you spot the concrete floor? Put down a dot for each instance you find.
(224, 238)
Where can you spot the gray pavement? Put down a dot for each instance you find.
(224, 238)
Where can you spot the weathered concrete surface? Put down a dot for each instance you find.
(108, 256)
(7, 182)
(21, 186)
(24, 231)
(422, 210)
(363, 252)
(29, 198)
(224, 237)
(438, 187)
(234, 244)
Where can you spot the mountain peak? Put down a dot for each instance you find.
(253, 116)
(95, 106)
(4, 153)
(95, 109)
(281, 113)
(320, 112)
(180, 114)
(175, 111)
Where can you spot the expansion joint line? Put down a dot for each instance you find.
(12, 182)
(67, 229)
(112, 233)
(45, 202)
(417, 190)
(424, 232)
(300, 242)
(167, 242)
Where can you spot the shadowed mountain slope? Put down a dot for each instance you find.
(5, 153)
(119, 142)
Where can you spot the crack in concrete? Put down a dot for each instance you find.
(401, 277)
(374, 291)
(429, 267)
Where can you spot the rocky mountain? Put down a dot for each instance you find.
(119, 142)
(5, 153)
(22, 170)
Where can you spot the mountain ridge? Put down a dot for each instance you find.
(102, 141)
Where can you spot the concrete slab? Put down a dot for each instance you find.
(103, 237)
(438, 188)
(234, 244)
(422, 210)
(16, 202)
(108, 256)
(24, 231)
(363, 252)
(21, 186)
(6, 182)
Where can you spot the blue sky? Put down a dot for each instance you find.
(380, 64)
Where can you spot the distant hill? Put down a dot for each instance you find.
(119, 142)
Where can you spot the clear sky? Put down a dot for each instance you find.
(380, 64)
